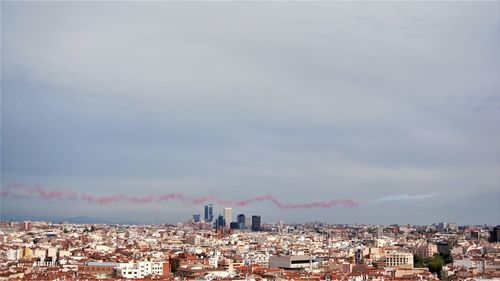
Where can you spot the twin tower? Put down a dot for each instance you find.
(226, 219)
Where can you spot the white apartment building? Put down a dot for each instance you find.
(396, 259)
(470, 263)
(52, 252)
(14, 254)
(139, 269)
(40, 253)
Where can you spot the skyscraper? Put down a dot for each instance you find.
(228, 216)
(255, 223)
(209, 212)
(196, 217)
(495, 234)
(241, 220)
(220, 222)
(248, 221)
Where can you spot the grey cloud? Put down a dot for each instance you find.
(346, 100)
(476, 102)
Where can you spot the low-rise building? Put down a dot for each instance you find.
(290, 262)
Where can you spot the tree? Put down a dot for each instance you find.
(418, 261)
(435, 264)
(447, 258)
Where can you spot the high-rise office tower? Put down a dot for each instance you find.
(241, 220)
(495, 234)
(220, 223)
(248, 222)
(196, 217)
(228, 215)
(255, 223)
(209, 213)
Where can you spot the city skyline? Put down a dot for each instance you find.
(337, 112)
(197, 251)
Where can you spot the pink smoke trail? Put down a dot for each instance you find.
(319, 204)
(19, 191)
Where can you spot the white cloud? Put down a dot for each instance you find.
(404, 197)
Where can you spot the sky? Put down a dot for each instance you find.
(392, 106)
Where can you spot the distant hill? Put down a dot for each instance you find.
(58, 219)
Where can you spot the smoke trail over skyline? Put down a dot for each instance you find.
(21, 191)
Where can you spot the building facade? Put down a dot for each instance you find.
(241, 221)
(255, 223)
(228, 216)
(209, 213)
(290, 262)
(142, 269)
(399, 259)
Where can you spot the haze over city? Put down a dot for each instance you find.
(337, 112)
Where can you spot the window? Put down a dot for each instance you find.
(299, 261)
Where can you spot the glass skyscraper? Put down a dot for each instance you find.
(209, 212)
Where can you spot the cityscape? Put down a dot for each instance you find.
(224, 248)
(250, 140)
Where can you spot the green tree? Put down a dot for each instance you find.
(447, 258)
(418, 261)
(435, 265)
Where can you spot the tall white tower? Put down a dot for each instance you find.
(228, 215)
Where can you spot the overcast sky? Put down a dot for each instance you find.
(394, 105)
